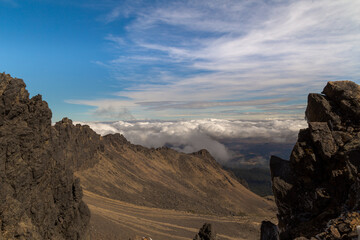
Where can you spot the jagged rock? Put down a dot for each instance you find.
(269, 231)
(320, 186)
(206, 233)
(320, 110)
(39, 196)
(346, 95)
(77, 145)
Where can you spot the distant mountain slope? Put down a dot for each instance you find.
(258, 179)
(168, 179)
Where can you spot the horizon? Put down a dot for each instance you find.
(179, 60)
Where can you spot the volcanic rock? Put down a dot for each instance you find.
(318, 191)
(206, 233)
(269, 231)
(39, 196)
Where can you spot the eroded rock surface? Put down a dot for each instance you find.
(318, 191)
(39, 196)
(206, 232)
(269, 231)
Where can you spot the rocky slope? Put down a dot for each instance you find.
(318, 191)
(165, 178)
(39, 197)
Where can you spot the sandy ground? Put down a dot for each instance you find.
(113, 219)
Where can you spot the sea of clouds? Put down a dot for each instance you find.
(193, 135)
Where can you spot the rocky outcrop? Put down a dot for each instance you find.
(39, 196)
(318, 191)
(269, 231)
(206, 233)
(79, 146)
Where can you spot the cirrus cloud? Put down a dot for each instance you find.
(202, 54)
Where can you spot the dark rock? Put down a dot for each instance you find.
(335, 232)
(346, 94)
(39, 197)
(344, 228)
(269, 231)
(318, 191)
(322, 139)
(206, 233)
(77, 145)
(320, 110)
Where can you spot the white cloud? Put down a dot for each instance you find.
(199, 105)
(193, 135)
(208, 52)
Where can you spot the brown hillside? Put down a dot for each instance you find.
(165, 178)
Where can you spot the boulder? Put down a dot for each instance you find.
(269, 231)
(206, 233)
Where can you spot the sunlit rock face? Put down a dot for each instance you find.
(39, 196)
(318, 191)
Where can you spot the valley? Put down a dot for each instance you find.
(116, 220)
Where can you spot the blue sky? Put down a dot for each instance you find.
(126, 60)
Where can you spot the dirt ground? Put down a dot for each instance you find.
(113, 219)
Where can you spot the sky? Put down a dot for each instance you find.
(179, 60)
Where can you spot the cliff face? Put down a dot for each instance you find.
(78, 146)
(318, 191)
(39, 197)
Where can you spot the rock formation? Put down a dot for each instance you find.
(39, 196)
(269, 231)
(206, 233)
(79, 146)
(318, 191)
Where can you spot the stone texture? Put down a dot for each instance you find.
(39, 197)
(318, 191)
(79, 146)
(269, 231)
(206, 233)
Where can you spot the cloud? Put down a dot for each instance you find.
(198, 105)
(108, 109)
(216, 54)
(193, 135)
(109, 112)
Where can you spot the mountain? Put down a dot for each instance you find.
(317, 192)
(165, 178)
(39, 198)
(257, 179)
(111, 166)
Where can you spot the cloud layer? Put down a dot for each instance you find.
(193, 135)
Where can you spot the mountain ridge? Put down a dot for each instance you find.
(167, 179)
(38, 162)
